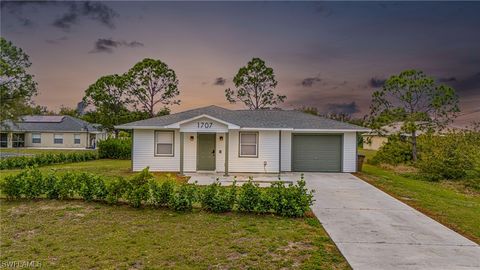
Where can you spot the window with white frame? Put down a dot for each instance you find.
(36, 138)
(76, 138)
(248, 144)
(58, 138)
(164, 141)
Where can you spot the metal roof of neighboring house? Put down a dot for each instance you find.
(278, 119)
(53, 123)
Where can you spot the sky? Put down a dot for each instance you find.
(329, 55)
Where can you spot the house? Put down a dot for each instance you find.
(47, 131)
(373, 140)
(244, 141)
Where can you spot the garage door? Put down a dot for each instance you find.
(316, 153)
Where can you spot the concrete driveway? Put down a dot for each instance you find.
(375, 231)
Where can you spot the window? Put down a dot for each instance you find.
(58, 138)
(18, 140)
(164, 143)
(76, 138)
(248, 144)
(36, 138)
(3, 140)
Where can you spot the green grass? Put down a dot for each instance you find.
(106, 167)
(75, 234)
(444, 201)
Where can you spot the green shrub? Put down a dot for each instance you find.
(100, 190)
(250, 197)
(293, 200)
(87, 186)
(51, 186)
(395, 151)
(218, 199)
(450, 156)
(67, 186)
(162, 193)
(12, 187)
(32, 182)
(115, 148)
(183, 198)
(138, 188)
(45, 159)
(116, 190)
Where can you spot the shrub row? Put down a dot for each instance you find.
(46, 159)
(115, 148)
(142, 189)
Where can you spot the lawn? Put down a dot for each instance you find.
(75, 234)
(32, 151)
(107, 167)
(447, 202)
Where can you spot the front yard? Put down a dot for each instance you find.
(75, 234)
(448, 202)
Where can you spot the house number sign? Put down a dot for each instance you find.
(205, 125)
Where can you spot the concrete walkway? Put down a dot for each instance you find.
(375, 231)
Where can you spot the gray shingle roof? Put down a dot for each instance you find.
(51, 123)
(250, 119)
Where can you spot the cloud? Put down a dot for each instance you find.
(107, 45)
(447, 79)
(95, 11)
(309, 81)
(348, 108)
(467, 85)
(376, 82)
(219, 81)
(56, 40)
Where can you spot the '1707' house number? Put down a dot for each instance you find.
(204, 124)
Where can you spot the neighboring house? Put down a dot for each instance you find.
(45, 131)
(262, 141)
(374, 140)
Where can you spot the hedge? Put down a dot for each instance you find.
(292, 200)
(46, 159)
(115, 148)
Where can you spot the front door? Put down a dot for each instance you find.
(206, 152)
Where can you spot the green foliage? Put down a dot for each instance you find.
(17, 87)
(12, 187)
(51, 186)
(91, 187)
(183, 198)
(115, 148)
(32, 182)
(249, 197)
(138, 189)
(218, 199)
(46, 159)
(450, 156)
(293, 200)
(255, 85)
(116, 190)
(395, 151)
(162, 193)
(67, 186)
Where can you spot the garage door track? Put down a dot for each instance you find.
(375, 231)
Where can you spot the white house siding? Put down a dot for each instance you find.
(190, 152)
(267, 152)
(349, 152)
(198, 125)
(286, 151)
(220, 155)
(143, 151)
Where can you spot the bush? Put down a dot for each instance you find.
(51, 186)
(292, 201)
(450, 156)
(45, 159)
(395, 151)
(116, 190)
(115, 148)
(138, 189)
(250, 197)
(12, 187)
(218, 199)
(32, 183)
(183, 198)
(67, 186)
(162, 193)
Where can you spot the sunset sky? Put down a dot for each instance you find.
(330, 55)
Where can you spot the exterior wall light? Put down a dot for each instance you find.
(221, 138)
(192, 138)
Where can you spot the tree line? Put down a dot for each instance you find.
(150, 88)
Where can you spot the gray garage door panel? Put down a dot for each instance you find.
(316, 153)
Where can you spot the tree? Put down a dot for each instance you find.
(110, 99)
(64, 110)
(150, 83)
(255, 84)
(17, 87)
(309, 110)
(418, 100)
